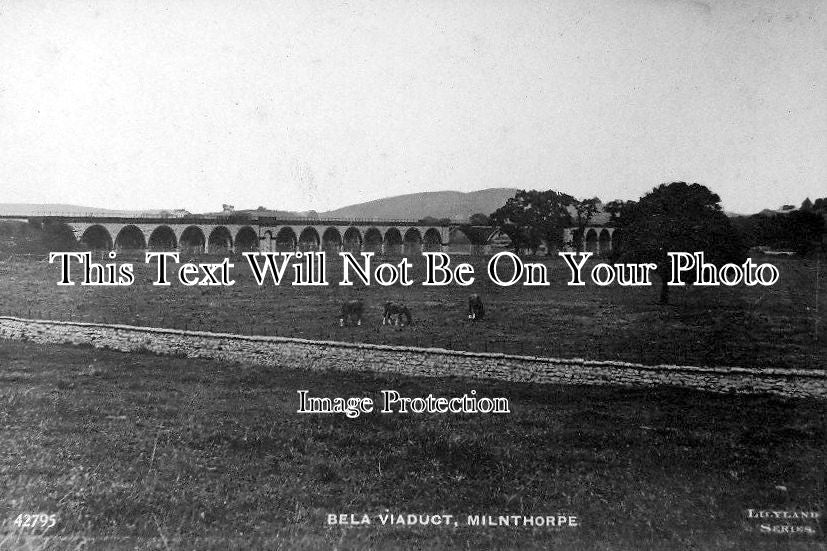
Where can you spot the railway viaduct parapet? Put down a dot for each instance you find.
(222, 235)
(234, 234)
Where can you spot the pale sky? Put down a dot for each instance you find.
(317, 104)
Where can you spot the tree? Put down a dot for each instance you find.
(59, 236)
(36, 237)
(676, 217)
(479, 219)
(531, 217)
(614, 209)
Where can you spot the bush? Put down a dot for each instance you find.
(35, 237)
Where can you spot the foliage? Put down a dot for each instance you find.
(672, 218)
(614, 208)
(36, 237)
(476, 235)
(531, 217)
(586, 210)
(800, 231)
(479, 219)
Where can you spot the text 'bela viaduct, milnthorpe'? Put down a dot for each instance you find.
(228, 234)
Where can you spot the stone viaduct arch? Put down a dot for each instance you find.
(590, 240)
(352, 240)
(192, 240)
(166, 235)
(412, 242)
(95, 237)
(163, 238)
(130, 238)
(285, 240)
(392, 243)
(373, 240)
(309, 239)
(246, 239)
(220, 240)
(331, 240)
(371, 237)
(596, 239)
(432, 241)
(604, 241)
(214, 236)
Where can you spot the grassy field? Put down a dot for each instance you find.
(744, 326)
(164, 453)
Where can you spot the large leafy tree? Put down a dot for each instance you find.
(531, 217)
(676, 217)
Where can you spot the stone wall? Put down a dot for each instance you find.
(427, 362)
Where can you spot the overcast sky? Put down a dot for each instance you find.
(318, 104)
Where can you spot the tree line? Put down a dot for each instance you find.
(672, 217)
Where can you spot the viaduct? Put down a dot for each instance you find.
(223, 235)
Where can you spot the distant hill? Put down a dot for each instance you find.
(455, 205)
(31, 209)
(62, 209)
(437, 204)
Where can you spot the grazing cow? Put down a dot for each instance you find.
(351, 311)
(396, 310)
(476, 310)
